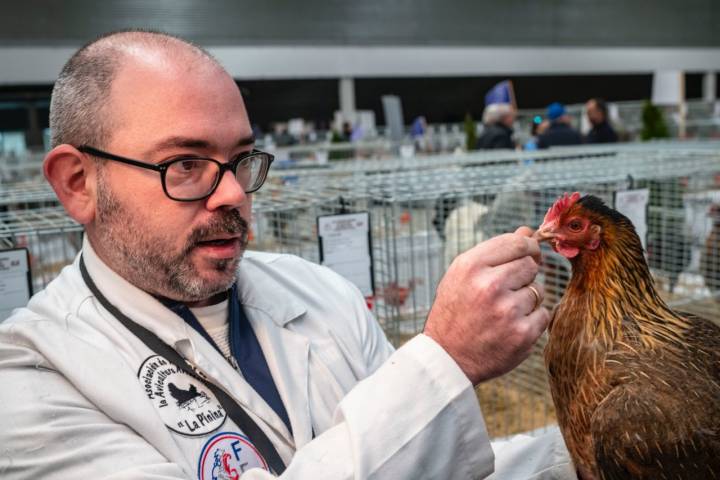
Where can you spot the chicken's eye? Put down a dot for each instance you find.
(575, 225)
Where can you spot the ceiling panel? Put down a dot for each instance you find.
(660, 23)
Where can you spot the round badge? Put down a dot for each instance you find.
(185, 404)
(226, 456)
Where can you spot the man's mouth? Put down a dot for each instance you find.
(218, 242)
(222, 247)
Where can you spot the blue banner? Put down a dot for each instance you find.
(500, 93)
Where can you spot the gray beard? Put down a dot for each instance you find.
(140, 256)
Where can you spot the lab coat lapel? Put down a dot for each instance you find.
(287, 354)
(270, 307)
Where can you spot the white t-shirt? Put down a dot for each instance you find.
(214, 319)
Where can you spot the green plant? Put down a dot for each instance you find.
(653, 122)
(470, 133)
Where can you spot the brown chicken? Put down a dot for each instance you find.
(636, 385)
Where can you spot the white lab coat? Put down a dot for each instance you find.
(73, 401)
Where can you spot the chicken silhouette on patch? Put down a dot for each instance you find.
(189, 399)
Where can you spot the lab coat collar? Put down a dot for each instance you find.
(257, 289)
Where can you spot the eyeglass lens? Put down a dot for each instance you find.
(190, 178)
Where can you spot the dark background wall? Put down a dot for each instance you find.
(269, 101)
(647, 23)
(439, 99)
(465, 95)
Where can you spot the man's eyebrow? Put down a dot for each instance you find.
(188, 142)
(245, 141)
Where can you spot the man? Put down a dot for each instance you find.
(559, 132)
(160, 354)
(498, 119)
(601, 131)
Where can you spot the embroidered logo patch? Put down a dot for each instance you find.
(185, 404)
(226, 456)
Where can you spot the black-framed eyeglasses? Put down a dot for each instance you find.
(188, 178)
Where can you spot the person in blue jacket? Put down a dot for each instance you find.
(560, 131)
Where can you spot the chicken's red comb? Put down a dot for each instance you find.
(560, 206)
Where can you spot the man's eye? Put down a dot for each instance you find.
(187, 165)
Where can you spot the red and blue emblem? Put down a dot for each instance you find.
(226, 456)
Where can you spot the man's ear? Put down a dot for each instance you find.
(73, 177)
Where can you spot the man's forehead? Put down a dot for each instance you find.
(170, 76)
(163, 104)
(167, 66)
(154, 50)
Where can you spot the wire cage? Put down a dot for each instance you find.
(51, 237)
(422, 218)
(426, 211)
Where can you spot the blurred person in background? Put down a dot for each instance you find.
(283, 138)
(420, 135)
(498, 119)
(560, 131)
(597, 114)
(538, 127)
(344, 135)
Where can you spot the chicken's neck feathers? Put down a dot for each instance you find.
(613, 288)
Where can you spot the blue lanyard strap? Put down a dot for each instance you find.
(246, 349)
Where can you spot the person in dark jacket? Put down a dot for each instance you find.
(601, 131)
(498, 119)
(560, 132)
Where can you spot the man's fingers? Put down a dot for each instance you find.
(505, 248)
(515, 274)
(529, 232)
(538, 320)
(525, 231)
(536, 323)
(528, 298)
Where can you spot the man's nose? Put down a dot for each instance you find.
(229, 193)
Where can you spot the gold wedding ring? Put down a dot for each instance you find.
(538, 300)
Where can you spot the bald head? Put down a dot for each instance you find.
(79, 113)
